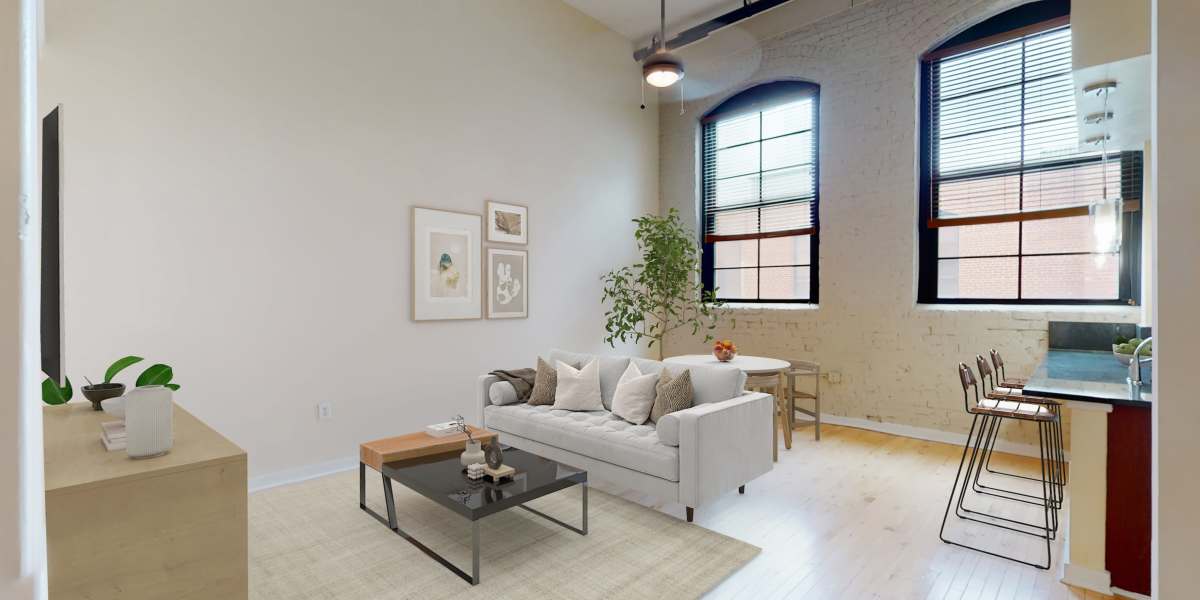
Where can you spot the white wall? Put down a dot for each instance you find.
(239, 184)
(22, 527)
(1176, 329)
(896, 359)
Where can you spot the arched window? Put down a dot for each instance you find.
(759, 194)
(1007, 185)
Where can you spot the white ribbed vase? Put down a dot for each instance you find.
(148, 425)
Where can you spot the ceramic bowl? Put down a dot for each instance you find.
(100, 392)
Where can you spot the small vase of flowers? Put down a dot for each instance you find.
(473, 454)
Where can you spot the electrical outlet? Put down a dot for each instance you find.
(833, 376)
(324, 410)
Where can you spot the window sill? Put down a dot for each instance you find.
(1094, 309)
(751, 306)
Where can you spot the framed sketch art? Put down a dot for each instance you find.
(507, 223)
(446, 265)
(507, 283)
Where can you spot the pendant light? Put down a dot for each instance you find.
(1106, 211)
(662, 69)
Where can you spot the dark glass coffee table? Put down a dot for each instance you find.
(441, 479)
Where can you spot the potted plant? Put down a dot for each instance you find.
(663, 292)
(156, 374)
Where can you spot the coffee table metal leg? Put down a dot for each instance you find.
(579, 530)
(474, 552)
(390, 500)
(362, 485)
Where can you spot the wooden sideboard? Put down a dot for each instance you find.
(166, 527)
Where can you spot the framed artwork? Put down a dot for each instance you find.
(507, 223)
(508, 283)
(446, 265)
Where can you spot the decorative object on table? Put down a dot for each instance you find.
(446, 263)
(499, 474)
(473, 452)
(1123, 349)
(508, 284)
(442, 429)
(724, 350)
(663, 291)
(157, 374)
(99, 392)
(507, 223)
(475, 471)
(495, 455)
(148, 421)
(112, 435)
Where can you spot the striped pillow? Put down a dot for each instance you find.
(674, 394)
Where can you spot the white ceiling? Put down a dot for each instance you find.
(638, 19)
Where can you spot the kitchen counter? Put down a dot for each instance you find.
(1088, 376)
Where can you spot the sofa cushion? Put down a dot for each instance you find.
(502, 392)
(611, 368)
(635, 395)
(715, 383)
(672, 394)
(599, 435)
(578, 389)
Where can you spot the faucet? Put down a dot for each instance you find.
(1135, 365)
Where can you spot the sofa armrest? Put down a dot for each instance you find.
(722, 445)
(482, 398)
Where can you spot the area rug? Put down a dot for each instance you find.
(310, 540)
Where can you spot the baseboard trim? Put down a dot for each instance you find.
(298, 474)
(932, 435)
(1116, 591)
(1099, 581)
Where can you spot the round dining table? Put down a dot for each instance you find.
(757, 369)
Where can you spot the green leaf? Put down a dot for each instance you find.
(158, 374)
(119, 366)
(54, 395)
(173, 386)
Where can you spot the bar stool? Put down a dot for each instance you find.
(998, 364)
(804, 368)
(998, 392)
(984, 412)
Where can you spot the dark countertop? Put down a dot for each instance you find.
(1088, 376)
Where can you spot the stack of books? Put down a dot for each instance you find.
(112, 434)
(442, 429)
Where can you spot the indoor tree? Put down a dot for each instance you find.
(663, 292)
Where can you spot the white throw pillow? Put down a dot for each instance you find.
(502, 392)
(635, 395)
(578, 389)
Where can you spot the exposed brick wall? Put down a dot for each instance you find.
(896, 359)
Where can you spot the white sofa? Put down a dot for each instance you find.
(691, 456)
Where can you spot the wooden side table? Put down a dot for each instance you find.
(761, 373)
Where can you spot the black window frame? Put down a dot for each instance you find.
(762, 97)
(1129, 272)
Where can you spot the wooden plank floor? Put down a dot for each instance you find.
(856, 515)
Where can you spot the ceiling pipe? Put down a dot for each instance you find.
(702, 30)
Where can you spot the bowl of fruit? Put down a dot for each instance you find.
(1123, 349)
(724, 350)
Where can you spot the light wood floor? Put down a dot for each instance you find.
(856, 515)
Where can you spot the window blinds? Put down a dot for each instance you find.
(759, 173)
(1005, 134)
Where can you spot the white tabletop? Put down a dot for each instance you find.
(751, 365)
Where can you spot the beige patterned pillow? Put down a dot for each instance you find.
(544, 383)
(673, 394)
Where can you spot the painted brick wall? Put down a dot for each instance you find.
(896, 359)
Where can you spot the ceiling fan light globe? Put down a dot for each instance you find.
(662, 69)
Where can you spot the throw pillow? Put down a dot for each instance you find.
(578, 389)
(502, 392)
(634, 396)
(544, 384)
(672, 394)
